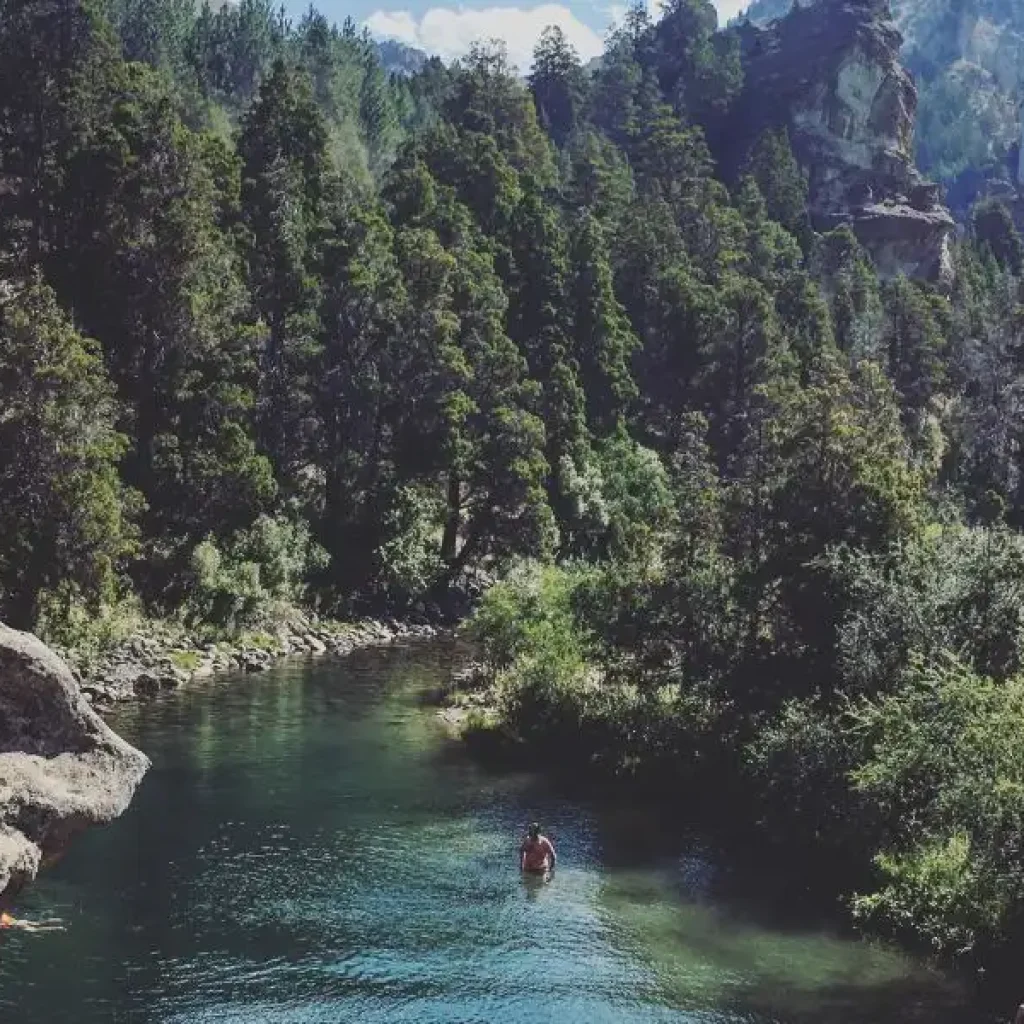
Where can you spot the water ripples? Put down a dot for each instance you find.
(303, 853)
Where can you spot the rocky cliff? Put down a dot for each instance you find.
(830, 72)
(61, 767)
(967, 59)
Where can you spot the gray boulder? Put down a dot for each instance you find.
(61, 767)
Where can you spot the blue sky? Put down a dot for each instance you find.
(447, 27)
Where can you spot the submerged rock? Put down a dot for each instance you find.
(61, 767)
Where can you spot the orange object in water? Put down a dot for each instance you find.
(6, 921)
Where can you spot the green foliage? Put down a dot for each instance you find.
(951, 589)
(604, 339)
(965, 121)
(851, 287)
(410, 556)
(798, 764)
(699, 67)
(258, 570)
(995, 231)
(638, 501)
(527, 628)
(916, 339)
(64, 513)
(781, 181)
(87, 632)
(945, 770)
(558, 84)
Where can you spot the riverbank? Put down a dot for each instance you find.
(164, 656)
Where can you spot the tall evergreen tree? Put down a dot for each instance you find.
(64, 528)
(285, 185)
(603, 338)
(558, 84)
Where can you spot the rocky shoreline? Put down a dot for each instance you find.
(161, 659)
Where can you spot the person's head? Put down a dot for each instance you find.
(533, 831)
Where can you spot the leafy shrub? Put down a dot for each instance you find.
(639, 499)
(265, 566)
(946, 773)
(410, 557)
(72, 625)
(531, 637)
(557, 687)
(954, 589)
(622, 501)
(799, 763)
(529, 612)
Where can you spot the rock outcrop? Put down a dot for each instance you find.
(61, 767)
(968, 60)
(830, 72)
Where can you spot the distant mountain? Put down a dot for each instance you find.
(399, 59)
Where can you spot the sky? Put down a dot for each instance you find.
(447, 28)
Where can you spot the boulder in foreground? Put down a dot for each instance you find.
(61, 767)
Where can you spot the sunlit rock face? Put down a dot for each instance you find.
(61, 767)
(830, 71)
(967, 57)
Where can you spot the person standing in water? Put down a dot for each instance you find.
(537, 853)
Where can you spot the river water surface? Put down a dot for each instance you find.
(309, 847)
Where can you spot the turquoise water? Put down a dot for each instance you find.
(310, 847)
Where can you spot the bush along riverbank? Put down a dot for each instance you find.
(896, 782)
(160, 656)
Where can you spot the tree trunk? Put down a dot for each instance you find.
(453, 522)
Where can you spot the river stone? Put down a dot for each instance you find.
(255, 661)
(147, 684)
(61, 767)
(315, 645)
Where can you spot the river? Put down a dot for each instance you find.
(310, 847)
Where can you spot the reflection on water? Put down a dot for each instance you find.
(309, 847)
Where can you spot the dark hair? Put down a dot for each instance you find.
(534, 829)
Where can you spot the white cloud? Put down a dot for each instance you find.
(728, 9)
(449, 32)
(400, 25)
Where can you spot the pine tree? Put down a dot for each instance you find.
(781, 181)
(603, 339)
(285, 185)
(558, 84)
(475, 424)
(363, 382)
(64, 529)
